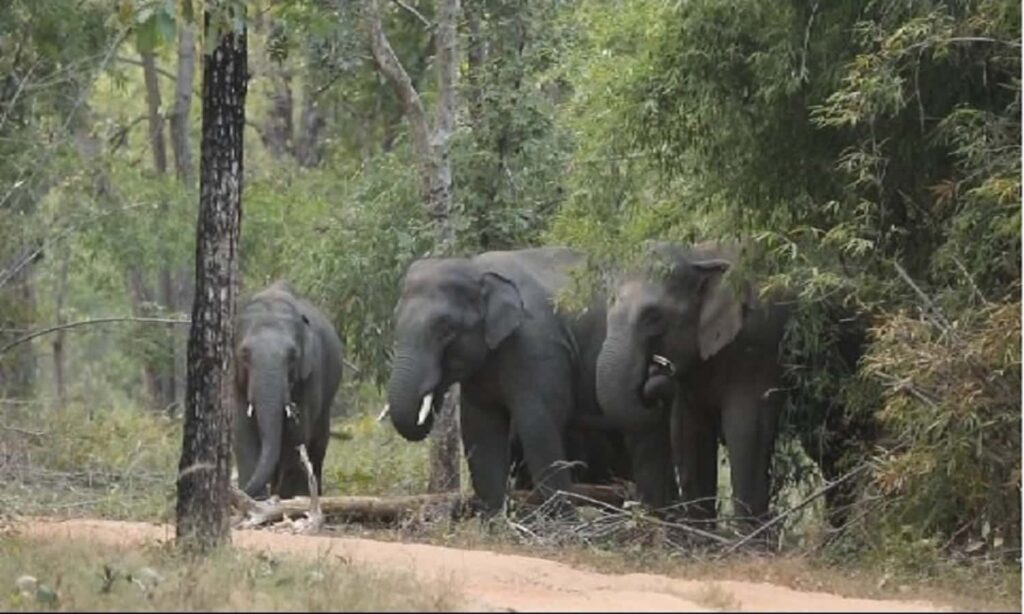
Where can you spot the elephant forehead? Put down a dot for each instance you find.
(442, 280)
(638, 289)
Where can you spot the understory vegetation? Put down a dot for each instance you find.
(72, 575)
(867, 153)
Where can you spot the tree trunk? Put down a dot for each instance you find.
(432, 151)
(309, 142)
(17, 367)
(279, 128)
(445, 446)
(59, 356)
(180, 146)
(183, 102)
(163, 364)
(205, 466)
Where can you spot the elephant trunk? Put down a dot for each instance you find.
(621, 374)
(268, 395)
(411, 394)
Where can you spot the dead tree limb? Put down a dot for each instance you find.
(392, 509)
(46, 331)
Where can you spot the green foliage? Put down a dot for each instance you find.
(375, 460)
(508, 164)
(836, 157)
(952, 394)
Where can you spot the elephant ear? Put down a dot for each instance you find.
(310, 349)
(502, 307)
(721, 311)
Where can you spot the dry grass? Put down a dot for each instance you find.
(73, 575)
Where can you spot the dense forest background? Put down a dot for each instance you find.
(869, 151)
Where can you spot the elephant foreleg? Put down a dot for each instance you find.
(543, 448)
(695, 452)
(652, 467)
(485, 439)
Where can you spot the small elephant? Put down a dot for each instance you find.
(288, 367)
(525, 369)
(679, 336)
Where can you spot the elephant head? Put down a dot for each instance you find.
(449, 315)
(276, 352)
(675, 311)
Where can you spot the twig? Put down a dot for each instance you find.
(159, 71)
(26, 432)
(423, 20)
(924, 297)
(970, 280)
(46, 331)
(813, 496)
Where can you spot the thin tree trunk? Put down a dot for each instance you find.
(309, 142)
(279, 129)
(59, 356)
(142, 298)
(432, 151)
(163, 363)
(183, 101)
(205, 467)
(180, 146)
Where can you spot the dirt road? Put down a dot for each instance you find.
(502, 582)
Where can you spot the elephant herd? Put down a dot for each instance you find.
(641, 384)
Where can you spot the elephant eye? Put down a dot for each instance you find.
(444, 327)
(652, 316)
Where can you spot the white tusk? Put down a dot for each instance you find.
(425, 408)
(665, 362)
(289, 410)
(248, 412)
(384, 412)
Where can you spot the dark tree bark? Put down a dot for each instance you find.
(205, 467)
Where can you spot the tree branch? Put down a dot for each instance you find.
(159, 71)
(417, 14)
(387, 63)
(52, 329)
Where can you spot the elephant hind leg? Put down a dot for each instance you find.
(544, 450)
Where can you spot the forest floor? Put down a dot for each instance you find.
(484, 580)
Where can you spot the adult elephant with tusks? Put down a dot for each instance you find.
(288, 361)
(525, 368)
(680, 331)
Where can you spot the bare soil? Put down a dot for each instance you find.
(504, 582)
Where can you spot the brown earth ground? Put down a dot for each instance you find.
(505, 582)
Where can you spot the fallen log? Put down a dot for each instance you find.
(394, 508)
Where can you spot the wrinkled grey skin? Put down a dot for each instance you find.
(488, 323)
(286, 351)
(725, 348)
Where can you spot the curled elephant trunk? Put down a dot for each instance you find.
(269, 396)
(412, 399)
(621, 375)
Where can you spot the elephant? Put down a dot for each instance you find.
(692, 354)
(525, 369)
(288, 361)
